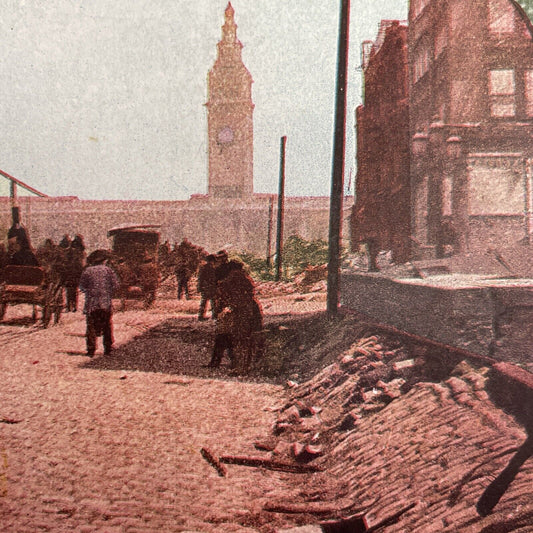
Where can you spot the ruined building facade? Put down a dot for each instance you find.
(470, 126)
(382, 214)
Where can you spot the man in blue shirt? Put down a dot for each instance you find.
(98, 282)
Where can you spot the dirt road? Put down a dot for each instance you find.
(113, 444)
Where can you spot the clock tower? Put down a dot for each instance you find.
(230, 118)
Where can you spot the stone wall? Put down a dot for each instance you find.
(240, 225)
(491, 317)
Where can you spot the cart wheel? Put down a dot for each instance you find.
(3, 308)
(47, 315)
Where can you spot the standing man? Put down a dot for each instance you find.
(148, 274)
(98, 282)
(22, 254)
(207, 286)
(182, 267)
(75, 261)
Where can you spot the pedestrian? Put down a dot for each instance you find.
(223, 338)
(207, 287)
(224, 319)
(247, 317)
(182, 267)
(148, 275)
(98, 281)
(75, 262)
(239, 327)
(221, 265)
(21, 252)
(65, 241)
(46, 253)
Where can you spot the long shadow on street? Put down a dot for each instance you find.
(175, 346)
(295, 347)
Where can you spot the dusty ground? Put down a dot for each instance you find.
(113, 444)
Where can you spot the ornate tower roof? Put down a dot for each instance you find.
(229, 69)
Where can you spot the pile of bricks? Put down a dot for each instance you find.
(398, 451)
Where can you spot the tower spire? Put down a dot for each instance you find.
(229, 45)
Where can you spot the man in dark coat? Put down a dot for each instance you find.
(22, 253)
(98, 282)
(182, 269)
(207, 286)
(75, 262)
(239, 320)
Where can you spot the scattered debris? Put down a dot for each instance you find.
(407, 363)
(316, 508)
(178, 382)
(358, 523)
(311, 276)
(265, 446)
(270, 464)
(9, 421)
(210, 457)
(306, 452)
(258, 462)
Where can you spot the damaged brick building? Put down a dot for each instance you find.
(382, 216)
(464, 156)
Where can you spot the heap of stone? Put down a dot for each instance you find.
(400, 449)
(309, 280)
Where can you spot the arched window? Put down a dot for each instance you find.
(422, 62)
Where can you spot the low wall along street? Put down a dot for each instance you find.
(240, 225)
(482, 314)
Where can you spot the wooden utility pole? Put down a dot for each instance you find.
(337, 180)
(15, 213)
(281, 198)
(269, 232)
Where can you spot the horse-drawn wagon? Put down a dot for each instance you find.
(31, 285)
(135, 259)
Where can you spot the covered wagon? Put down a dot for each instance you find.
(135, 259)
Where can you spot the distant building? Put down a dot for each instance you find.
(230, 216)
(381, 215)
(230, 118)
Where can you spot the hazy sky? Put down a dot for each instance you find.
(104, 99)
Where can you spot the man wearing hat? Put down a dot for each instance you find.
(98, 282)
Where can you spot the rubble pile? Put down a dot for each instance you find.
(364, 380)
(309, 280)
(394, 447)
(270, 289)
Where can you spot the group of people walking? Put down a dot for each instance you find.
(222, 283)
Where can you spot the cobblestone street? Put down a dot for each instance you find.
(85, 449)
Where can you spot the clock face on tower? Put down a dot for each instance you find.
(225, 135)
